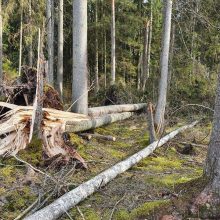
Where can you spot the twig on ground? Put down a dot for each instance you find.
(113, 210)
(80, 212)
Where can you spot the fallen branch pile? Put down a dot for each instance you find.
(72, 198)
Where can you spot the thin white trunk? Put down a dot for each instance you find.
(105, 60)
(96, 51)
(1, 47)
(145, 53)
(21, 40)
(113, 44)
(161, 103)
(72, 198)
(60, 50)
(50, 40)
(149, 41)
(30, 52)
(80, 72)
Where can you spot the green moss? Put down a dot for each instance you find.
(115, 153)
(33, 152)
(7, 175)
(147, 208)
(89, 214)
(122, 215)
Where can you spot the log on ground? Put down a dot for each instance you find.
(103, 110)
(72, 198)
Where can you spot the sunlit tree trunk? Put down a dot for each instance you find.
(113, 44)
(21, 40)
(60, 50)
(1, 47)
(145, 53)
(80, 72)
(161, 103)
(96, 50)
(30, 52)
(50, 41)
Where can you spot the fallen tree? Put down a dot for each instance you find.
(72, 198)
(98, 136)
(103, 110)
(15, 129)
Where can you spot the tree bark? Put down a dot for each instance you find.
(80, 72)
(98, 136)
(103, 110)
(212, 168)
(37, 116)
(72, 198)
(113, 44)
(1, 45)
(161, 103)
(76, 126)
(50, 41)
(30, 52)
(145, 54)
(21, 40)
(96, 50)
(60, 50)
(151, 127)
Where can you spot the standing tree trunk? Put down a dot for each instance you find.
(1, 46)
(150, 40)
(80, 72)
(145, 53)
(161, 103)
(21, 39)
(113, 44)
(105, 59)
(30, 52)
(60, 50)
(50, 40)
(212, 168)
(96, 50)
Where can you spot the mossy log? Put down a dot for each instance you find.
(72, 198)
(103, 110)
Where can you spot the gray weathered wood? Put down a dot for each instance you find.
(102, 110)
(72, 198)
(76, 126)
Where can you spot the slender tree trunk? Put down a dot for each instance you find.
(149, 41)
(30, 52)
(60, 50)
(145, 53)
(1, 46)
(50, 41)
(212, 168)
(96, 50)
(80, 72)
(161, 103)
(105, 59)
(21, 40)
(113, 44)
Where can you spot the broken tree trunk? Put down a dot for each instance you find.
(103, 110)
(72, 198)
(15, 129)
(150, 118)
(76, 126)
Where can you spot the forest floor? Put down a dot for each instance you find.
(158, 185)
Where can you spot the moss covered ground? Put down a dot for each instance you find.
(142, 192)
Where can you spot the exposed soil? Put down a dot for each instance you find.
(162, 184)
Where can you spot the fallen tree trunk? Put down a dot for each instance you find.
(72, 198)
(103, 110)
(15, 129)
(76, 126)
